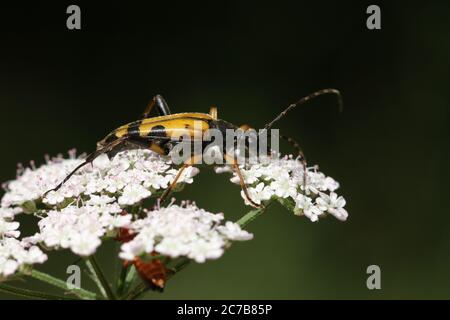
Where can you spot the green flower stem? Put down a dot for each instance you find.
(121, 280)
(31, 294)
(94, 278)
(126, 279)
(180, 265)
(250, 216)
(137, 291)
(82, 293)
(99, 278)
(130, 278)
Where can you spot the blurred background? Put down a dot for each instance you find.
(61, 89)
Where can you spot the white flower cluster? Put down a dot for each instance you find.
(182, 231)
(80, 228)
(14, 254)
(282, 178)
(85, 209)
(8, 228)
(131, 175)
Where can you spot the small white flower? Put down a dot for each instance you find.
(157, 181)
(84, 244)
(250, 176)
(7, 266)
(275, 171)
(330, 184)
(96, 186)
(102, 162)
(234, 232)
(131, 250)
(308, 208)
(9, 229)
(222, 169)
(258, 194)
(132, 194)
(9, 213)
(284, 187)
(333, 204)
(57, 237)
(34, 255)
(116, 221)
(188, 174)
(119, 164)
(95, 200)
(202, 250)
(172, 247)
(54, 197)
(32, 240)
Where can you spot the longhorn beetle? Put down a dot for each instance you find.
(160, 134)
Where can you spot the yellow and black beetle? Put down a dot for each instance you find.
(160, 134)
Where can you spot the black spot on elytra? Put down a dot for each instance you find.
(158, 131)
(133, 128)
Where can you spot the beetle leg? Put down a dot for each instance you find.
(236, 168)
(295, 145)
(161, 106)
(190, 162)
(168, 191)
(213, 112)
(244, 187)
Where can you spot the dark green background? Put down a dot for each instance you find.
(389, 149)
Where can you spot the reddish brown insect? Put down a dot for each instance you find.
(154, 272)
(124, 235)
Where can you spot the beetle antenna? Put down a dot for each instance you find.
(89, 159)
(304, 100)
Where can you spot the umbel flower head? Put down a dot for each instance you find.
(282, 179)
(115, 194)
(131, 175)
(197, 234)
